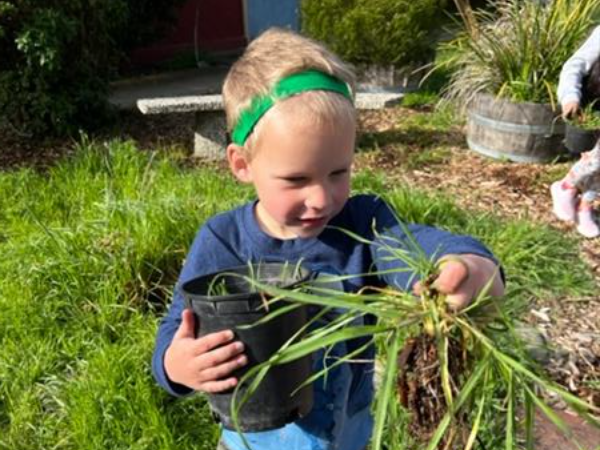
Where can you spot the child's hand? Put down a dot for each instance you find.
(203, 363)
(569, 109)
(462, 277)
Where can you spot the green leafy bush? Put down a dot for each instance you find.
(58, 56)
(381, 32)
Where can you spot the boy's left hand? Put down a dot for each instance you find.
(462, 277)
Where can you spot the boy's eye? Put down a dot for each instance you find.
(295, 180)
(337, 173)
(300, 179)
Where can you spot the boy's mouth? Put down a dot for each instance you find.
(314, 221)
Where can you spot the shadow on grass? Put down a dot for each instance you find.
(152, 289)
(411, 136)
(411, 148)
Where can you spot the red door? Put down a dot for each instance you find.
(215, 25)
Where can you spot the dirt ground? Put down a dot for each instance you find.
(549, 438)
(570, 325)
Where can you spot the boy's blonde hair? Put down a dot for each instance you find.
(275, 54)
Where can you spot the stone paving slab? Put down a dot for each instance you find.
(193, 103)
(190, 82)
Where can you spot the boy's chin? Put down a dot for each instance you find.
(307, 233)
(299, 230)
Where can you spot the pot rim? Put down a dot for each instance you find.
(242, 271)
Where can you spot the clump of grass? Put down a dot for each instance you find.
(463, 375)
(420, 98)
(441, 119)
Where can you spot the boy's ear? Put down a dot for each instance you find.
(238, 163)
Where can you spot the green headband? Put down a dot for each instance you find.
(310, 80)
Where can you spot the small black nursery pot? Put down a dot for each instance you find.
(227, 300)
(579, 140)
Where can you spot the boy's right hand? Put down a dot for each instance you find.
(203, 363)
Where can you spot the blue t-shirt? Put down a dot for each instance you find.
(340, 417)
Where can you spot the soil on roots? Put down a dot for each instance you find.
(420, 387)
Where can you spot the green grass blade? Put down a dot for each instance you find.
(308, 346)
(345, 359)
(529, 423)
(571, 399)
(256, 374)
(340, 301)
(476, 423)
(504, 358)
(273, 315)
(510, 414)
(465, 393)
(441, 339)
(549, 412)
(387, 391)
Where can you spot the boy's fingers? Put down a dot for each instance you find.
(457, 301)
(453, 272)
(223, 370)
(206, 343)
(418, 288)
(213, 387)
(187, 327)
(219, 355)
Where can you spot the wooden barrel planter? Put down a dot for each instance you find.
(521, 132)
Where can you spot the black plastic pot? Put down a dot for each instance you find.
(272, 405)
(578, 140)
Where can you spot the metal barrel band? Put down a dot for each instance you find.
(544, 130)
(501, 154)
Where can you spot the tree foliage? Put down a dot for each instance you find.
(58, 56)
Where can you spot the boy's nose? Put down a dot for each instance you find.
(318, 197)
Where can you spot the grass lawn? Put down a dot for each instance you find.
(91, 249)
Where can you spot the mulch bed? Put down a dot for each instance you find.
(570, 325)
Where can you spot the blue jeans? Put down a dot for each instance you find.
(221, 446)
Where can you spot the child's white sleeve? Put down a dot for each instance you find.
(577, 67)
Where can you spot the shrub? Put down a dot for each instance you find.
(380, 32)
(58, 57)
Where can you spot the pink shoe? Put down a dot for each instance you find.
(586, 225)
(563, 202)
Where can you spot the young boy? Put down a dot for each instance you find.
(290, 111)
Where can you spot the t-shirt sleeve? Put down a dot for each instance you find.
(209, 253)
(395, 243)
